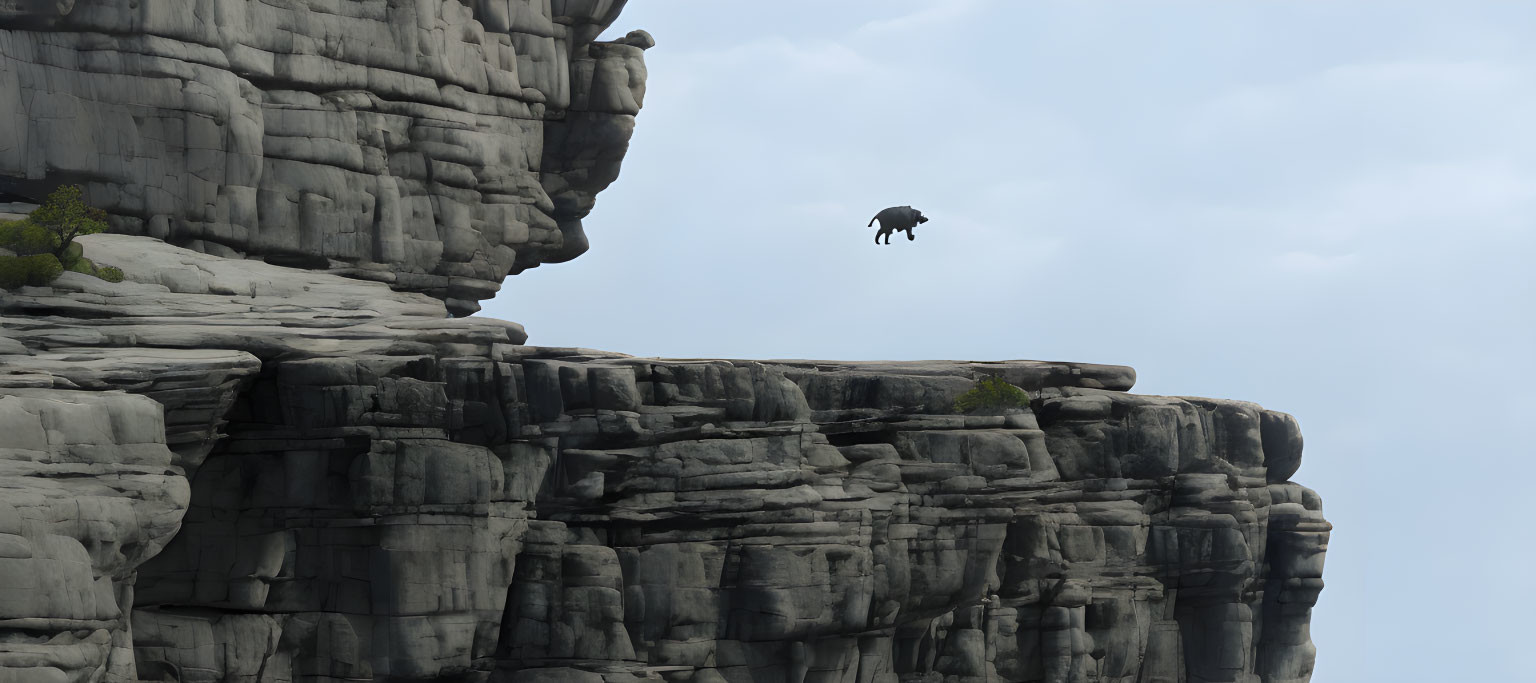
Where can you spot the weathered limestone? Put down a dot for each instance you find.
(433, 145)
(380, 493)
(270, 456)
(87, 493)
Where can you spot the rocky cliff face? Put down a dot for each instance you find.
(434, 145)
(366, 491)
(294, 467)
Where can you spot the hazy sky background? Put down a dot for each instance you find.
(1326, 208)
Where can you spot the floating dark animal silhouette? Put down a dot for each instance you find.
(897, 218)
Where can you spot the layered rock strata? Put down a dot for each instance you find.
(435, 145)
(368, 491)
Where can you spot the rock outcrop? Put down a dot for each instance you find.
(270, 455)
(369, 491)
(434, 145)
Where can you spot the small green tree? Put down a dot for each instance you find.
(991, 393)
(40, 247)
(66, 216)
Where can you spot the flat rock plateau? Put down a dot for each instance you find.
(273, 455)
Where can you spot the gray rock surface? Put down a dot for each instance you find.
(270, 456)
(434, 145)
(367, 490)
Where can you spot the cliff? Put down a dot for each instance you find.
(270, 455)
(436, 146)
(368, 491)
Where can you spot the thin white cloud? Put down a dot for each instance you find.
(1422, 103)
(777, 53)
(1470, 191)
(1306, 261)
(821, 209)
(1414, 202)
(936, 15)
(1434, 75)
(1353, 81)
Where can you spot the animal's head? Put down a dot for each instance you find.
(921, 218)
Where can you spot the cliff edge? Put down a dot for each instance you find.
(271, 455)
(225, 470)
(432, 145)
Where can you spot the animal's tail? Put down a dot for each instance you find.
(871, 222)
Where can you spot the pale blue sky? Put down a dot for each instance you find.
(1326, 208)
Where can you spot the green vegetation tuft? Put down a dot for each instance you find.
(42, 269)
(71, 255)
(990, 394)
(67, 216)
(43, 242)
(13, 272)
(35, 269)
(84, 266)
(26, 238)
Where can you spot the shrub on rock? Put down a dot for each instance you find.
(13, 273)
(42, 269)
(25, 238)
(83, 266)
(35, 270)
(71, 256)
(49, 231)
(991, 394)
(66, 216)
